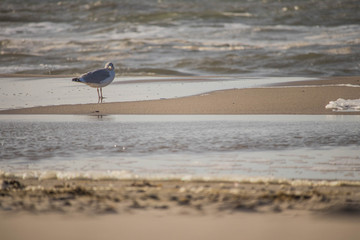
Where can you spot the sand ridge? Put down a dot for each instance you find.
(195, 196)
(143, 209)
(308, 97)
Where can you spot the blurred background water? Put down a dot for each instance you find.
(181, 37)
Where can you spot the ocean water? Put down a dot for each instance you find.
(205, 45)
(304, 38)
(310, 147)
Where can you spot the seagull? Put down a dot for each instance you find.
(98, 78)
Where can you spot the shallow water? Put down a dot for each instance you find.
(168, 37)
(207, 146)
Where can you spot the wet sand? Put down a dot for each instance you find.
(174, 209)
(308, 97)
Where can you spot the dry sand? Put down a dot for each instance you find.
(308, 97)
(142, 209)
(146, 226)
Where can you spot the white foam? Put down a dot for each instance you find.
(344, 105)
(35, 29)
(125, 175)
(68, 175)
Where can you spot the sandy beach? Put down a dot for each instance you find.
(225, 120)
(309, 97)
(153, 209)
(175, 209)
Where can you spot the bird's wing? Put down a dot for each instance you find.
(96, 77)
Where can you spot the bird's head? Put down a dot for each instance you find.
(109, 66)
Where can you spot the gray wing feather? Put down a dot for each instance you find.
(96, 76)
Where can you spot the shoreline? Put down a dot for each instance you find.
(302, 97)
(83, 208)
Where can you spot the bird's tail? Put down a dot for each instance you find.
(76, 80)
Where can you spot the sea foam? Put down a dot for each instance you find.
(344, 105)
(127, 176)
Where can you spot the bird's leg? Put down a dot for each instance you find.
(98, 95)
